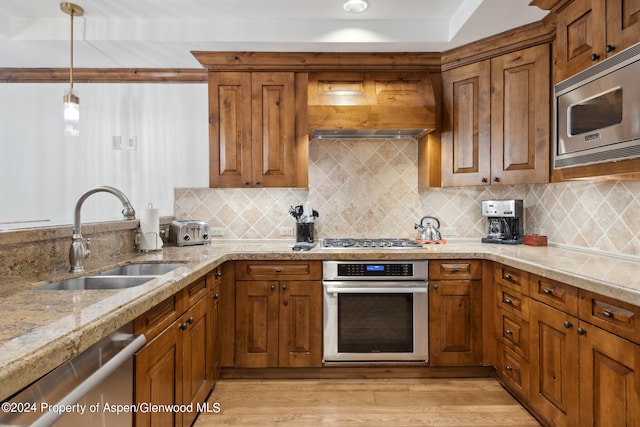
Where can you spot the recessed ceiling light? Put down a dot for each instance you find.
(356, 6)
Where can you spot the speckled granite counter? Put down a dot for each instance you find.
(40, 330)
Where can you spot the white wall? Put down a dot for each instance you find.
(42, 172)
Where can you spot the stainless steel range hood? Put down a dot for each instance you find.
(382, 105)
(368, 133)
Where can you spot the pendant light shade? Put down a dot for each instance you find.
(71, 100)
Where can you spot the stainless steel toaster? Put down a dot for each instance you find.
(189, 232)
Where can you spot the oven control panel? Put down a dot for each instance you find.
(385, 270)
(375, 270)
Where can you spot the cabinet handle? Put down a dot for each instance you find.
(216, 296)
(607, 314)
(273, 287)
(435, 286)
(507, 276)
(284, 287)
(496, 179)
(609, 48)
(568, 324)
(547, 291)
(508, 301)
(246, 183)
(218, 274)
(594, 57)
(257, 182)
(183, 326)
(484, 180)
(582, 331)
(508, 332)
(190, 320)
(278, 269)
(509, 368)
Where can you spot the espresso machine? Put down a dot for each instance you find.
(505, 221)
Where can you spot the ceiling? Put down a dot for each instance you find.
(162, 33)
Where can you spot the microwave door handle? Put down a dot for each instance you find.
(377, 290)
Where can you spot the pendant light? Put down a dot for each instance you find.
(355, 6)
(71, 100)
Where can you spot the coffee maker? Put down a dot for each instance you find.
(505, 221)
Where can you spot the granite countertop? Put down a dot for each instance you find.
(40, 330)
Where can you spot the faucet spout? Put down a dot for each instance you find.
(79, 250)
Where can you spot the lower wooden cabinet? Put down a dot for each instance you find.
(455, 313)
(278, 324)
(176, 366)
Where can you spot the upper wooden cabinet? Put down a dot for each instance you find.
(252, 130)
(591, 30)
(496, 120)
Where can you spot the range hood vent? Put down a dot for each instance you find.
(368, 133)
(370, 105)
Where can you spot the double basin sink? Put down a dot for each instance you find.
(126, 276)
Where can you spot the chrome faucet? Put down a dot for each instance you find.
(79, 248)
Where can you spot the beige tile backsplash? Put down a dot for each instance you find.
(368, 188)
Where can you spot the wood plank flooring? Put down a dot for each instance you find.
(355, 402)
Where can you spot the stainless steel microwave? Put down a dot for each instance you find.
(597, 112)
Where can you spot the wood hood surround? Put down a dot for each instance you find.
(377, 94)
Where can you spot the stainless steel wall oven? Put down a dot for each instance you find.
(375, 311)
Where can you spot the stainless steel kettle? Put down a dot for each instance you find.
(428, 231)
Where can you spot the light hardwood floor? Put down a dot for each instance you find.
(380, 402)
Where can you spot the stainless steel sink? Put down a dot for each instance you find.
(147, 269)
(125, 276)
(97, 282)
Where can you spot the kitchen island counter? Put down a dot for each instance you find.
(40, 330)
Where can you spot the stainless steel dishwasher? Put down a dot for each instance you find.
(94, 388)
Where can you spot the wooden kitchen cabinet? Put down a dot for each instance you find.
(496, 120)
(588, 31)
(278, 314)
(252, 129)
(176, 366)
(455, 313)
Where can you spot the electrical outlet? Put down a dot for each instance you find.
(449, 231)
(132, 143)
(539, 231)
(217, 231)
(286, 231)
(117, 143)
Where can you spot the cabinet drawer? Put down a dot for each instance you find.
(455, 270)
(158, 318)
(612, 315)
(273, 270)
(512, 278)
(514, 332)
(195, 291)
(558, 295)
(513, 370)
(513, 302)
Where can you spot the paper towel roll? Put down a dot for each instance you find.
(150, 229)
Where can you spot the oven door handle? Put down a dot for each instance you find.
(375, 290)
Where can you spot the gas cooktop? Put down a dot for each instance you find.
(384, 243)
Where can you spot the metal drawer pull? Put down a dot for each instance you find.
(582, 331)
(509, 368)
(607, 314)
(508, 332)
(568, 324)
(507, 276)
(547, 291)
(508, 301)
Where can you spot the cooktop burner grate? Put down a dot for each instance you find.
(387, 243)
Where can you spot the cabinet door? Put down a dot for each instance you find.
(257, 324)
(158, 373)
(580, 33)
(197, 356)
(609, 379)
(554, 365)
(520, 91)
(466, 125)
(229, 129)
(623, 25)
(300, 324)
(455, 323)
(273, 129)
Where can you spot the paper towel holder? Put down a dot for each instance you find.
(149, 237)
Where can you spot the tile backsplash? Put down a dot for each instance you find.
(368, 188)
